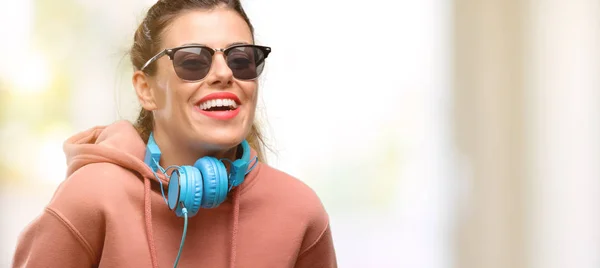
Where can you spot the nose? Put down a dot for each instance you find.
(220, 74)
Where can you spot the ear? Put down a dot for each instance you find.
(143, 89)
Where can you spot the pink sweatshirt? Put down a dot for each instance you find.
(109, 212)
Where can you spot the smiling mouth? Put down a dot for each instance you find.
(218, 105)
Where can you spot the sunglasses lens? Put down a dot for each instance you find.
(246, 62)
(192, 63)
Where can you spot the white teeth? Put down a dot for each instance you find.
(218, 103)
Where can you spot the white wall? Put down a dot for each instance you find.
(564, 72)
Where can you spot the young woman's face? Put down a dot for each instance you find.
(217, 112)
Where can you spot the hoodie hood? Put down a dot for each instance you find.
(120, 144)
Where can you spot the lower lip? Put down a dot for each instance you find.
(220, 115)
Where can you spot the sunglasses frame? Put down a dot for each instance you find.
(171, 53)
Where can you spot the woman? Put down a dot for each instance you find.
(185, 185)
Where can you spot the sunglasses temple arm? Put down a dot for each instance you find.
(151, 60)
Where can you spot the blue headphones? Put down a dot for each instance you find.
(203, 185)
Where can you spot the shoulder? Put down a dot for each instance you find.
(286, 192)
(293, 197)
(91, 186)
(283, 185)
(74, 220)
(84, 200)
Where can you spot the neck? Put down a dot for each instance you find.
(175, 153)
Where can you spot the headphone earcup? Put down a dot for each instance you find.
(215, 180)
(190, 193)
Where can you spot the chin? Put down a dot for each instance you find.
(218, 136)
(219, 141)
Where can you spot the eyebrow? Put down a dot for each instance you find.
(232, 44)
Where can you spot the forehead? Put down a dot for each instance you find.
(215, 28)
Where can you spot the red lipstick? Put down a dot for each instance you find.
(219, 114)
(219, 95)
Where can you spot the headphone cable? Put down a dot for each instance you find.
(185, 224)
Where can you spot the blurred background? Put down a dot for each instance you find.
(437, 133)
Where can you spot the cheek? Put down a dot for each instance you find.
(161, 92)
(173, 96)
(175, 90)
(162, 85)
(250, 91)
(179, 94)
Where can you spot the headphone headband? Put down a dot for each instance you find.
(152, 153)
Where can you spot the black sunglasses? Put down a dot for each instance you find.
(193, 62)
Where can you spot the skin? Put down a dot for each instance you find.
(182, 133)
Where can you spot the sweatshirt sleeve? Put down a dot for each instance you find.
(50, 241)
(70, 230)
(321, 254)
